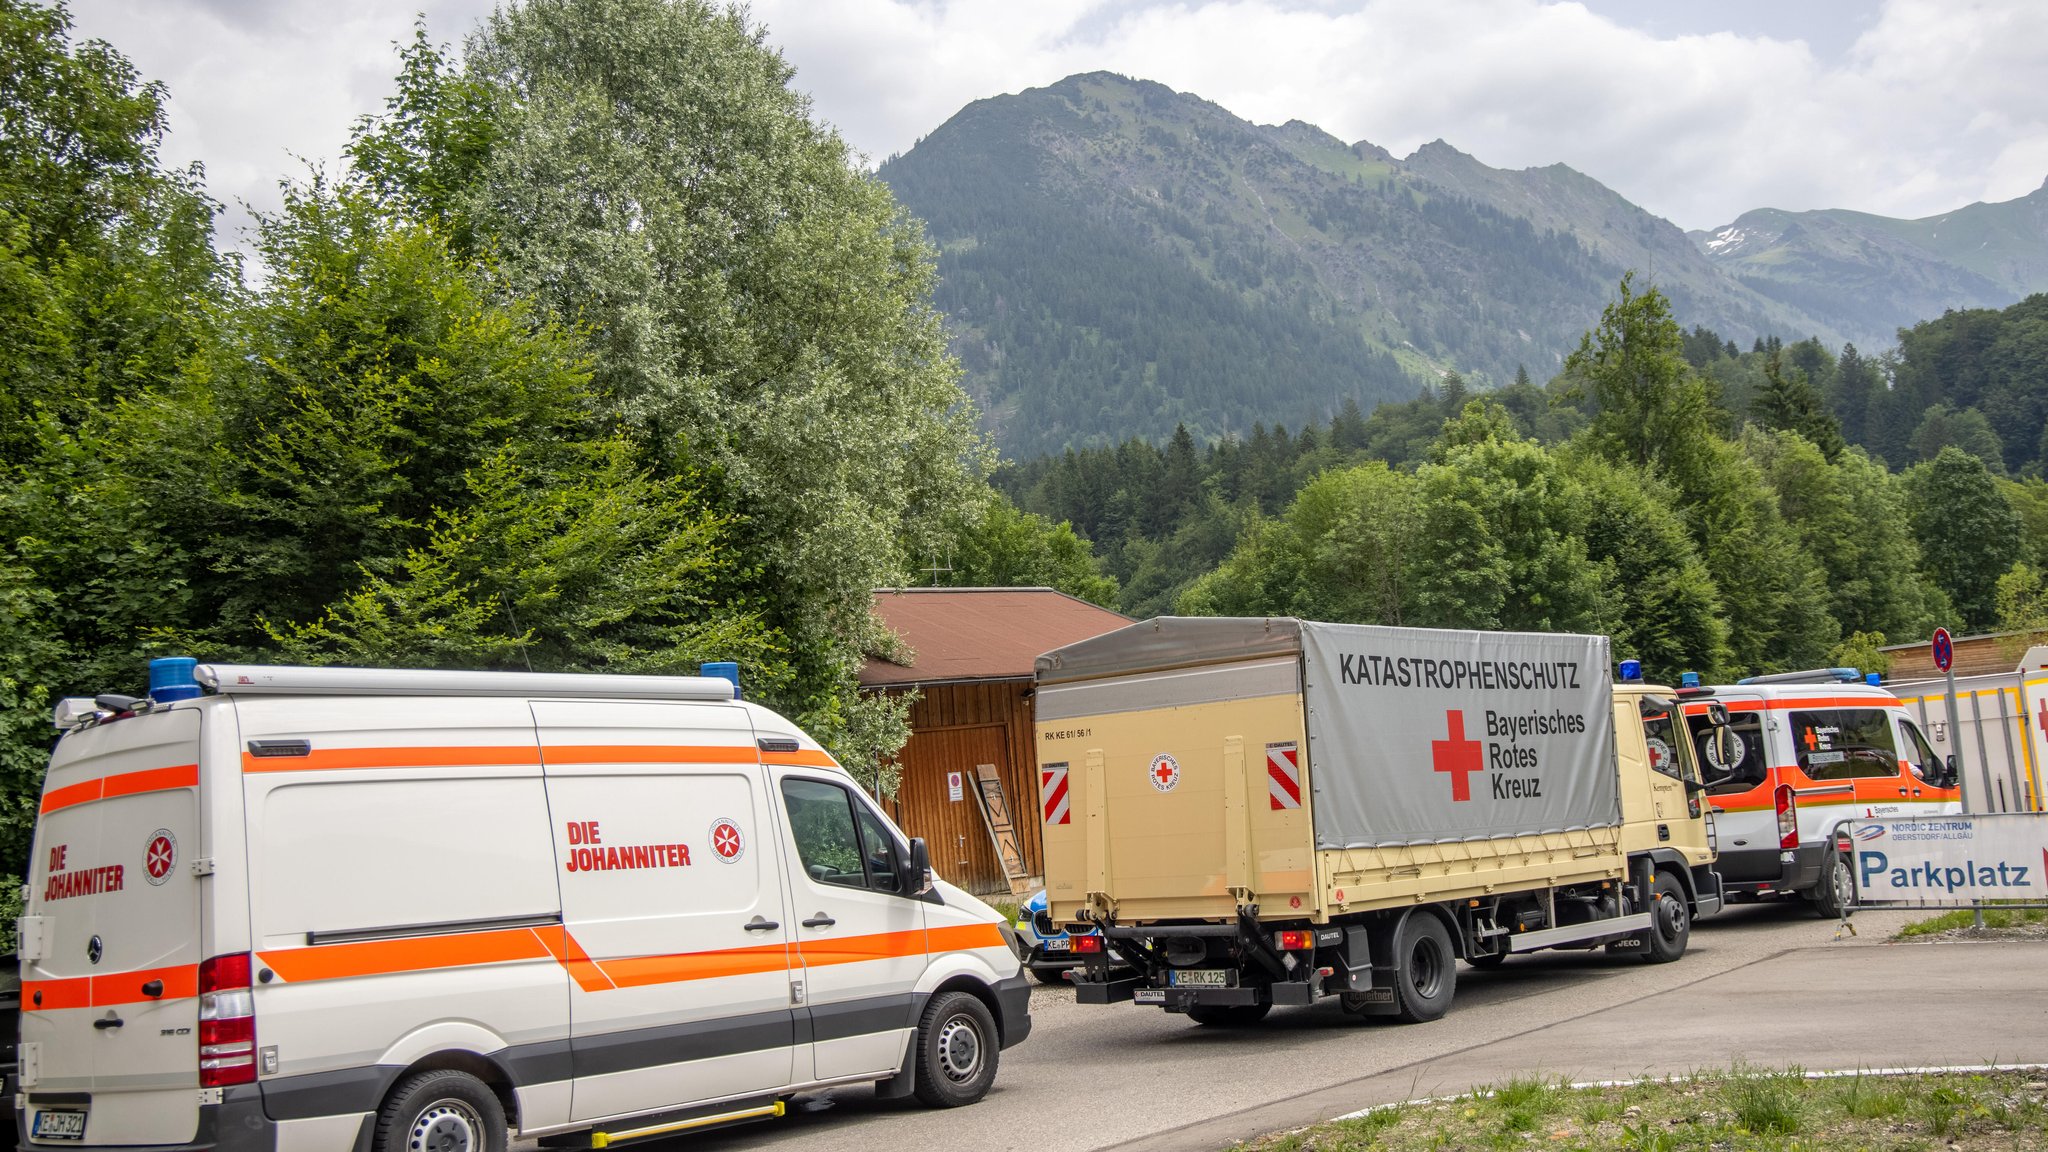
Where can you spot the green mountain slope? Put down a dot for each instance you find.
(1118, 257)
(1868, 276)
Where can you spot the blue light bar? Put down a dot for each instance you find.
(1873, 679)
(1631, 670)
(724, 670)
(170, 678)
(1688, 679)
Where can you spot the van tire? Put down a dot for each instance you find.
(1670, 921)
(1425, 970)
(1230, 1015)
(1831, 894)
(441, 1111)
(957, 1047)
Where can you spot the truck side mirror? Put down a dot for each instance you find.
(917, 869)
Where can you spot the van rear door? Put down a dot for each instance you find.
(110, 1007)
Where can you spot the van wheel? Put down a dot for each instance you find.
(1230, 1015)
(1425, 970)
(1832, 895)
(957, 1048)
(443, 1111)
(1670, 922)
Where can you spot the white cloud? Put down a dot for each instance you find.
(1932, 106)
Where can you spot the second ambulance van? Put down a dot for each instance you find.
(336, 910)
(1810, 752)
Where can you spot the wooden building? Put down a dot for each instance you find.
(970, 653)
(1974, 655)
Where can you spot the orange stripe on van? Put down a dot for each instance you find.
(569, 954)
(342, 759)
(805, 758)
(652, 754)
(413, 954)
(641, 971)
(122, 784)
(102, 991)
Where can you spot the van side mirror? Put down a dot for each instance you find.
(917, 869)
(1950, 774)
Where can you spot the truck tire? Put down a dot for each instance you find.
(1425, 969)
(442, 1111)
(1832, 893)
(1670, 921)
(1230, 1015)
(957, 1046)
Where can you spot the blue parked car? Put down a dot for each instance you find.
(1049, 952)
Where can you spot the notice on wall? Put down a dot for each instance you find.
(956, 787)
(1952, 861)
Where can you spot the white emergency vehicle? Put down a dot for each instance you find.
(1811, 751)
(279, 909)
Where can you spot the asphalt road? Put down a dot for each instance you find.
(1761, 984)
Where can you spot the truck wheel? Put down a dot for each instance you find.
(1425, 970)
(444, 1111)
(1230, 1015)
(1670, 922)
(957, 1048)
(1832, 895)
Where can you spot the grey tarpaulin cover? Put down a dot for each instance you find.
(1421, 735)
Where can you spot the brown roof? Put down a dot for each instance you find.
(979, 633)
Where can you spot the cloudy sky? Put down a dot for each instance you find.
(1696, 109)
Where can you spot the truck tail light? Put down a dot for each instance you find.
(1091, 945)
(1788, 818)
(1293, 941)
(227, 1022)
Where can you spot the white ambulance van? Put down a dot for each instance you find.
(1811, 751)
(279, 909)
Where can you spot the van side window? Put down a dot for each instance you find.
(1748, 770)
(878, 850)
(1844, 743)
(1919, 754)
(821, 820)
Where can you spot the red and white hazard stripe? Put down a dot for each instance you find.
(1052, 794)
(1283, 775)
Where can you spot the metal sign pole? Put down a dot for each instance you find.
(1944, 654)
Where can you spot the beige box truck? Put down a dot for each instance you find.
(1272, 811)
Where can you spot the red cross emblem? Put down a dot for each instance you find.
(158, 857)
(1812, 741)
(1458, 756)
(726, 841)
(1165, 772)
(2043, 717)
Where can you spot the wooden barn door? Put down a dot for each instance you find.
(953, 829)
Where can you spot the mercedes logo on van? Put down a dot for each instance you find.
(94, 949)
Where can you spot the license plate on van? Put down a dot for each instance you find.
(1199, 977)
(53, 1125)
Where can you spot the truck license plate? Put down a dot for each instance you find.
(1199, 977)
(1060, 945)
(59, 1126)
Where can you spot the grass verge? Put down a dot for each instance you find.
(1962, 918)
(1743, 1110)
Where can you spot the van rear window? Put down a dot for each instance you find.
(1845, 743)
(1748, 769)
